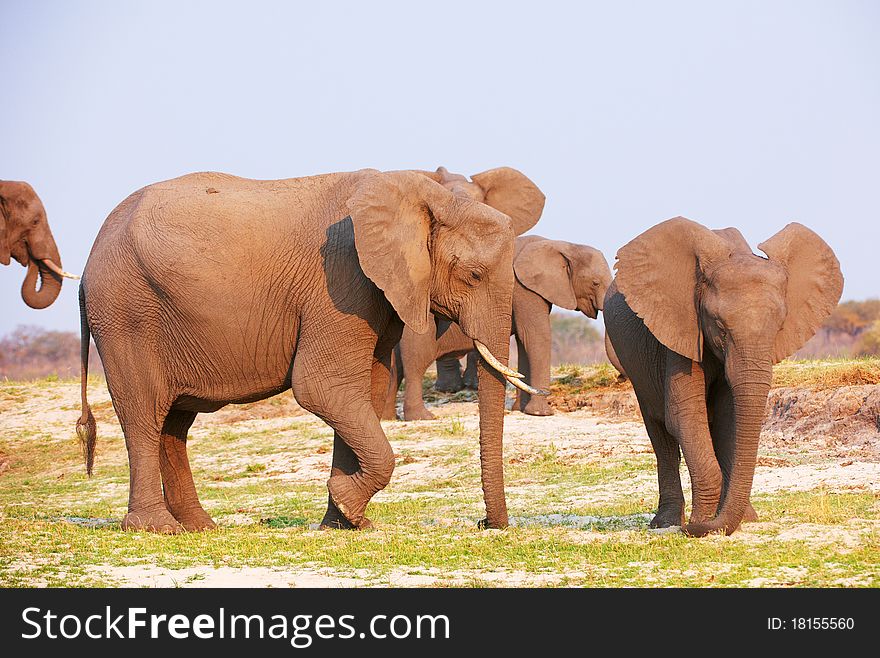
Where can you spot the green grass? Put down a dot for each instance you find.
(255, 480)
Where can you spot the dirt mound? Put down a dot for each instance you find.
(619, 403)
(849, 415)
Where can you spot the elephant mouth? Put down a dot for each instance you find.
(511, 375)
(589, 308)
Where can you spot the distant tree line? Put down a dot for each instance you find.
(31, 352)
(853, 329)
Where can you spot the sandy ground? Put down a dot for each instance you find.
(579, 436)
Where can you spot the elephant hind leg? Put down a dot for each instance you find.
(670, 508)
(136, 408)
(177, 480)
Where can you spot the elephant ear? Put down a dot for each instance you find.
(512, 193)
(391, 214)
(815, 284)
(435, 176)
(660, 273)
(738, 243)
(542, 267)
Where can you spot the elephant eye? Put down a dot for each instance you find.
(476, 276)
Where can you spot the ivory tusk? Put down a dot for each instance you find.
(495, 363)
(521, 385)
(52, 266)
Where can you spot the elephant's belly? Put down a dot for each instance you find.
(206, 405)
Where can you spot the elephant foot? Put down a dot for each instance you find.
(334, 520)
(448, 386)
(388, 415)
(667, 517)
(750, 515)
(485, 524)
(194, 519)
(418, 414)
(471, 384)
(538, 407)
(348, 501)
(160, 522)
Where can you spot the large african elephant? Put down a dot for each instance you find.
(211, 289)
(698, 320)
(547, 272)
(26, 237)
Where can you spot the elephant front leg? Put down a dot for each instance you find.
(351, 490)
(395, 376)
(448, 375)
(362, 457)
(179, 489)
(533, 360)
(345, 463)
(469, 378)
(687, 420)
(413, 404)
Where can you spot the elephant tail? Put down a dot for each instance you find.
(86, 428)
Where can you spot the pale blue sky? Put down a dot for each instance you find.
(750, 114)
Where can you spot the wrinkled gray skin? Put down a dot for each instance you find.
(697, 321)
(548, 272)
(26, 237)
(211, 289)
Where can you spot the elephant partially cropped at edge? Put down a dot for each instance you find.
(546, 273)
(211, 289)
(697, 321)
(26, 237)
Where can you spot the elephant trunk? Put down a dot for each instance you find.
(491, 389)
(50, 282)
(749, 379)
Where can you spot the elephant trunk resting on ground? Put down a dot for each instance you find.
(26, 237)
(211, 289)
(547, 272)
(697, 321)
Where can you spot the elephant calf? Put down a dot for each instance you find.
(26, 237)
(697, 321)
(547, 272)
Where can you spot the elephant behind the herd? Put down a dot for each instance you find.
(211, 289)
(697, 321)
(547, 272)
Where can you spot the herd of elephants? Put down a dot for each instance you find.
(211, 289)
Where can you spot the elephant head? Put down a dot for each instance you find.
(572, 276)
(432, 250)
(705, 295)
(25, 236)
